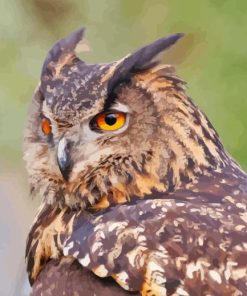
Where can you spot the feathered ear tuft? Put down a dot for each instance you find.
(144, 58)
(63, 52)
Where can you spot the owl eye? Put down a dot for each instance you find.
(110, 121)
(46, 126)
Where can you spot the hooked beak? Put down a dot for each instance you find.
(63, 157)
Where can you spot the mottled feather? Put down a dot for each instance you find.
(160, 206)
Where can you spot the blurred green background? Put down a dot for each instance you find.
(212, 59)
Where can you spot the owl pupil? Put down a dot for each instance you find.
(110, 119)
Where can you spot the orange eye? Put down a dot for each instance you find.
(110, 121)
(46, 126)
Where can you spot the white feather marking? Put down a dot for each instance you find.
(85, 261)
(215, 276)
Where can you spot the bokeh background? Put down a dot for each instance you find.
(212, 58)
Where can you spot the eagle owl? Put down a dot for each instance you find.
(138, 193)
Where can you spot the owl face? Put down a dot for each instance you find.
(78, 153)
(93, 130)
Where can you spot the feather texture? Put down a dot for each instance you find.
(158, 206)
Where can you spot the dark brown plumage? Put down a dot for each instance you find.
(70, 278)
(156, 204)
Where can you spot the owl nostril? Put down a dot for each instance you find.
(63, 157)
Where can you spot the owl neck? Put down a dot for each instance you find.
(186, 149)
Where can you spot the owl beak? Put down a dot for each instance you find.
(63, 158)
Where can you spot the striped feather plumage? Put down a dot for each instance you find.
(160, 207)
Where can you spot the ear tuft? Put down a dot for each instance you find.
(144, 58)
(62, 53)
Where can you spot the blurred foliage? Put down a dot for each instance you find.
(212, 58)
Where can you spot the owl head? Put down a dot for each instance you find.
(101, 134)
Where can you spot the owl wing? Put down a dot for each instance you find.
(166, 246)
(66, 276)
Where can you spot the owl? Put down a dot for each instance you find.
(139, 196)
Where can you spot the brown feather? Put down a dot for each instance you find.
(159, 206)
